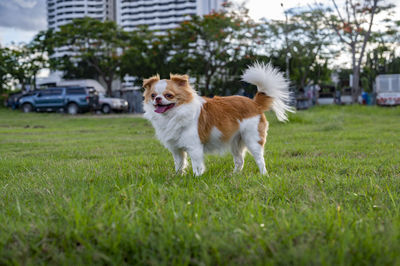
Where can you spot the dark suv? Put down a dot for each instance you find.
(70, 99)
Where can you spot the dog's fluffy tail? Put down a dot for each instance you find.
(273, 88)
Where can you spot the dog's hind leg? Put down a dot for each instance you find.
(238, 150)
(257, 151)
(253, 132)
(180, 160)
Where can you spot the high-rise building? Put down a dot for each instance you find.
(60, 12)
(129, 14)
(161, 14)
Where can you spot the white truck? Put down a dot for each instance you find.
(387, 88)
(108, 104)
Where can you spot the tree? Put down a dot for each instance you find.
(353, 26)
(96, 44)
(213, 46)
(24, 62)
(5, 64)
(381, 60)
(148, 53)
(304, 38)
(73, 69)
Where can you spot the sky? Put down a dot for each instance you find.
(20, 20)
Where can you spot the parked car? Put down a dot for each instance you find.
(388, 89)
(345, 96)
(12, 99)
(108, 104)
(326, 95)
(70, 99)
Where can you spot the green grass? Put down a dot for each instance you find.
(88, 190)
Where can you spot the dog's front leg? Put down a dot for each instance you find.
(197, 155)
(180, 160)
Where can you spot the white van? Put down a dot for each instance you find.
(388, 89)
(89, 83)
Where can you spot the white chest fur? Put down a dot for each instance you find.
(178, 127)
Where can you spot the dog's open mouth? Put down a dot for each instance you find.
(163, 108)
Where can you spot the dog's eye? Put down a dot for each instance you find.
(153, 95)
(169, 96)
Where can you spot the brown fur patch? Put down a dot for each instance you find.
(148, 85)
(180, 80)
(148, 82)
(262, 129)
(182, 93)
(263, 101)
(224, 114)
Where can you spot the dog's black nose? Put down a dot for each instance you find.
(158, 99)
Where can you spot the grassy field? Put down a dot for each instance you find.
(94, 190)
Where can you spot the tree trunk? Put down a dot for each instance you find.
(207, 85)
(22, 82)
(356, 74)
(34, 81)
(109, 87)
(355, 92)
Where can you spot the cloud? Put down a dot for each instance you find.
(16, 36)
(28, 15)
(26, 3)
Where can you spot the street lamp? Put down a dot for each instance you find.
(286, 42)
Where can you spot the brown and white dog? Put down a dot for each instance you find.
(186, 123)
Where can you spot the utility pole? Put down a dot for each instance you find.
(287, 43)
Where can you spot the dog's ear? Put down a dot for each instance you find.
(147, 82)
(181, 80)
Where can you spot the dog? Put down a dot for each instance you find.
(188, 124)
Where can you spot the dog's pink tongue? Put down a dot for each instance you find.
(161, 109)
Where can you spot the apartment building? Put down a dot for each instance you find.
(60, 12)
(161, 14)
(129, 14)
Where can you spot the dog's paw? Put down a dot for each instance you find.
(264, 172)
(198, 171)
(180, 172)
